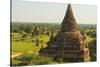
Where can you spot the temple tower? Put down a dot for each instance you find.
(68, 45)
(69, 23)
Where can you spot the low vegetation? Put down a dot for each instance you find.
(28, 38)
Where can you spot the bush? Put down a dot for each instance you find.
(41, 60)
(26, 58)
(17, 63)
(92, 47)
(31, 59)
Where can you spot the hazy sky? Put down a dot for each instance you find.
(27, 11)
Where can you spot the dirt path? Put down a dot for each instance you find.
(18, 54)
(15, 55)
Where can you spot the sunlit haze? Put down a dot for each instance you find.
(32, 11)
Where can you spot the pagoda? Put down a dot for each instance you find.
(68, 45)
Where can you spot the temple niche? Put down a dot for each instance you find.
(68, 45)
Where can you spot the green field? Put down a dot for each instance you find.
(20, 46)
(25, 47)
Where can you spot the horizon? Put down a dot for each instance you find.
(49, 23)
(29, 11)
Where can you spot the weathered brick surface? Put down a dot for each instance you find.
(68, 44)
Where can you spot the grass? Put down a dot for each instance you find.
(28, 45)
(31, 59)
(24, 46)
(19, 46)
(89, 39)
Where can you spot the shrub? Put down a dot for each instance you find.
(40, 60)
(26, 58)
(17, 63)
(31, 59)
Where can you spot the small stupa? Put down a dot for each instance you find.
(68, 45)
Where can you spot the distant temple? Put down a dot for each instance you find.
(68, 45)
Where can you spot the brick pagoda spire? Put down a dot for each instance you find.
(69, 23)
(68, 45)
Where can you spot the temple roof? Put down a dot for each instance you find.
(69, 16)
(69, 22)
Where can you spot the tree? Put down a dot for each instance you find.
(37, 42)
(28, 29)
(35, 31)
(92, 47)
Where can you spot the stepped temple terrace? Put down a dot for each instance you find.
(68, 45)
